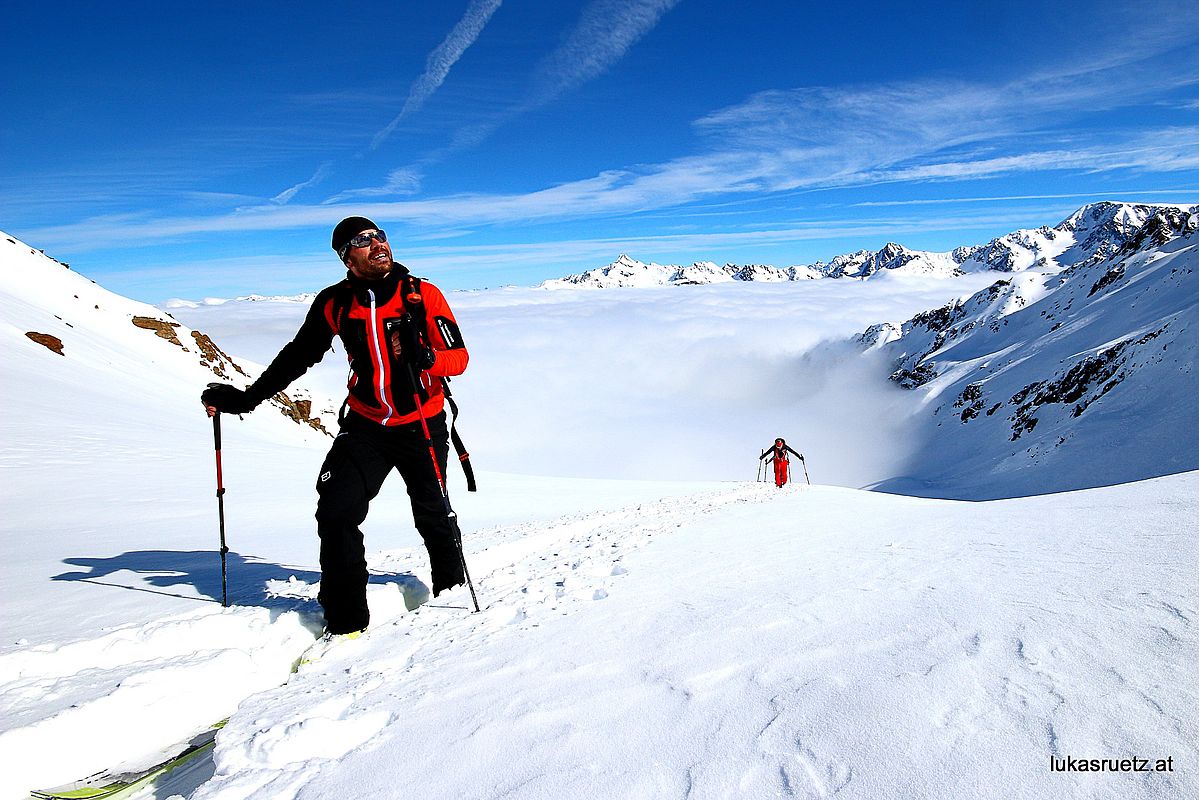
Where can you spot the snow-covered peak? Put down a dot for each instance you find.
(1092, 233)
(896, 259)
(624, 271)
(1119, 218)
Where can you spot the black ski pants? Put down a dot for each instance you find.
(362, 456)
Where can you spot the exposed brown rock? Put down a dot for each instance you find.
(299, 411)
(161, 328)
(48, 341)
(214, 357)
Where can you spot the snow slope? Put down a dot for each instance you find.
(839, 642)
(106, 435)
(1043, 383)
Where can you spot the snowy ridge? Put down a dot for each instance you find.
(67, 328)
(1083, 378)
(1093, 233)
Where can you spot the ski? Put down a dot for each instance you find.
(322, 645)
(106, 785)
(112, 786)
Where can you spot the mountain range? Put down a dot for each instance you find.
(1079, 372)
(1093, 232)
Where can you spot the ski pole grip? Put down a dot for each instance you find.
(216, 429)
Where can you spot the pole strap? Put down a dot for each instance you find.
(459, 447)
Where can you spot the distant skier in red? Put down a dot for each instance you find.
(777, 454)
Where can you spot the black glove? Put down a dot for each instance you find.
(411, 349)
(228, 398)
(423, 359)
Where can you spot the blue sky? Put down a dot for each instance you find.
(207, 151)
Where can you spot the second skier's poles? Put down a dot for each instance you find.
(805, 470)
(220, 504)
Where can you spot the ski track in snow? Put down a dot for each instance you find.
(863, 667)
(876, 672)
(527, 574)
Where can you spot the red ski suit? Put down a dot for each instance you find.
(777, 454)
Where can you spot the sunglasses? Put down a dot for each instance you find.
(362, 240)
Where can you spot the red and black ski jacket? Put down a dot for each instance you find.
(363, 313)
(779, 452)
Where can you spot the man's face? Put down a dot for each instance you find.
(371, 262)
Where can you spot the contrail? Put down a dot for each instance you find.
(438, 65)
(604, 33)
(287, 194)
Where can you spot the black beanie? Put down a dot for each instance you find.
(347, 229)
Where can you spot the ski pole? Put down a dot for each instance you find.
(451, 517)
(805, 470)
(220, 504)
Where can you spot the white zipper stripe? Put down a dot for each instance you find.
(379, 366)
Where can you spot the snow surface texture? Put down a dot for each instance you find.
(638, 638)
(841, 641)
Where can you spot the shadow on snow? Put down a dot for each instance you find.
(252, 582)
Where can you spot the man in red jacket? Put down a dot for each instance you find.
(392, 326)
(777, 453)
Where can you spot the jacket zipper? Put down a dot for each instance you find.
(379, 364)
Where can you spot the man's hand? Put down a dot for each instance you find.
(423, 359)
(227, 398)
(406, 344)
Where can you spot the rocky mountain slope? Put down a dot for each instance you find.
(1050, 381)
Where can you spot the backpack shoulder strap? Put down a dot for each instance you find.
(414, 303)
(343, 298)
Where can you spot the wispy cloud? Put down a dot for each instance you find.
(400, 182)
(937, 130)
(287, 194)
(788, 140)
(812, 137)
(441, 60)
(602, 36)
(623, 193)
(1190, 193)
